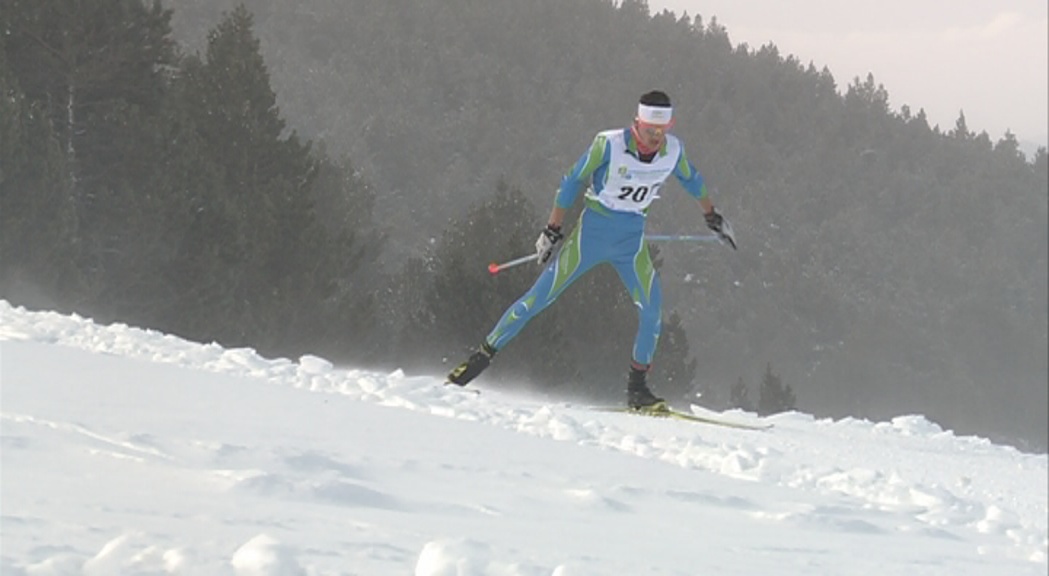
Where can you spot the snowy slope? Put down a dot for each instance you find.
(133, 452)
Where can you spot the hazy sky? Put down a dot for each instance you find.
(984, 57)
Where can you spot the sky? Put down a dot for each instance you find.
(986, 58)
(132, 452)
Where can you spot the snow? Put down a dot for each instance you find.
(131, 452)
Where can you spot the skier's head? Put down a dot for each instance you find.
(655, 117)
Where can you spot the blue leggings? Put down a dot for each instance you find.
(601, 236)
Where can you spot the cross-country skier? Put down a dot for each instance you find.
(625, 169)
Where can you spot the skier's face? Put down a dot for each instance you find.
(651, 136)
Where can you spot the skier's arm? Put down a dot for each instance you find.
(598, 154)
(706, 204)
(557, 217)
(692, 181)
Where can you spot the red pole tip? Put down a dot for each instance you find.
(493, 268)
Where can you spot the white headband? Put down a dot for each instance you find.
(654, 114)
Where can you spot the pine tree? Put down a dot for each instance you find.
(93, 66)
(775, 397)
(37, 225)
(255, 250)
(739, 396)
(354, 323)
(674, 371)
(92, 75)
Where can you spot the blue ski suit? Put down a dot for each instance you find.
(611, 228)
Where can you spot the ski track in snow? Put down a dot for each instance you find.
(934, 494)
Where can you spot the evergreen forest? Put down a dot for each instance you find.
(333, 178)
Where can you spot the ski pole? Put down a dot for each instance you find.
(681, 238)
(495, 268)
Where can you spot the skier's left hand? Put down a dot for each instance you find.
(721, 226)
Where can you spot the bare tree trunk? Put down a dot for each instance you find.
(70, 128)
(75, 198)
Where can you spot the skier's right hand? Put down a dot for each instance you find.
(548, 239)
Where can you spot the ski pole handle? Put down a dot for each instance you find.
(495, 268)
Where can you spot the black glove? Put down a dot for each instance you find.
(721, 227)
(544, 245)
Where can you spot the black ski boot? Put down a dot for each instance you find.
(639, 396)
(472, 368)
